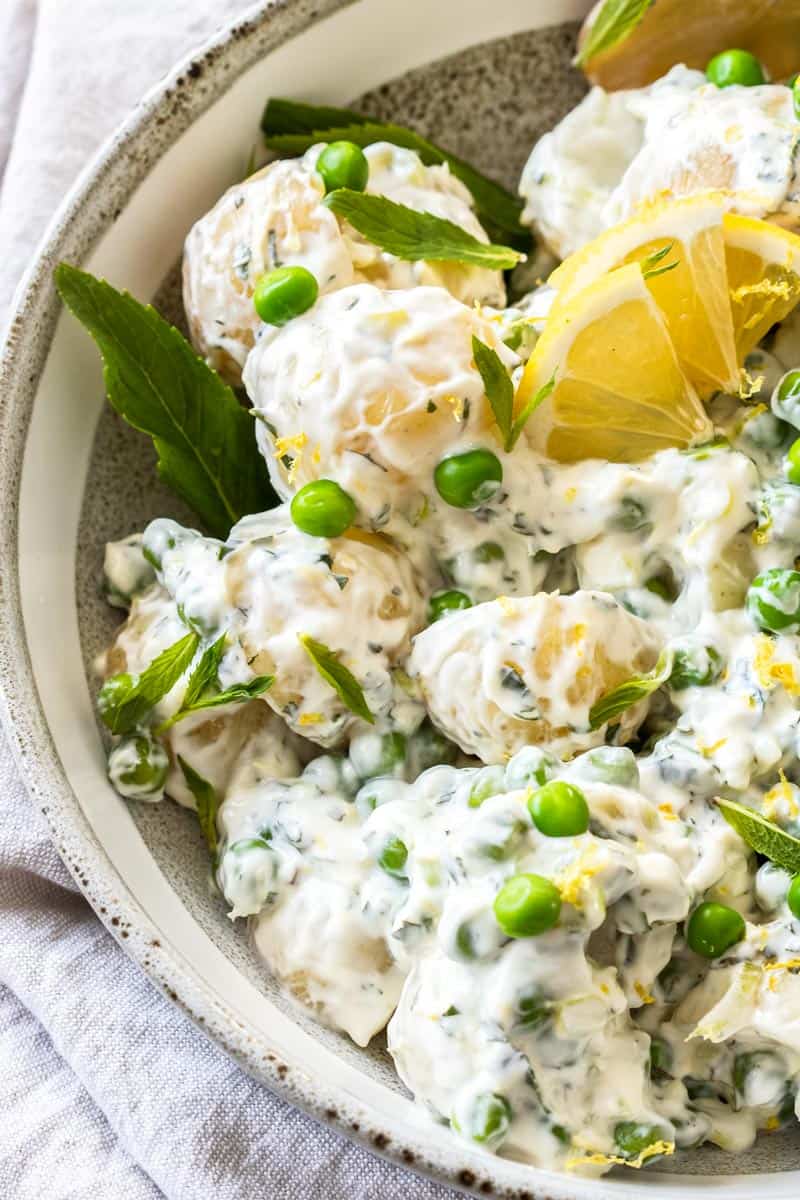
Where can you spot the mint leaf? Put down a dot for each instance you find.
(615, 702)
(525, 413)
(614, 21)
(207, 802)
(337, 675)
(204, 677)
(497, 385)
(412, 235)
(204, 438)
(290, 128)
(125, 700)
(761, 835)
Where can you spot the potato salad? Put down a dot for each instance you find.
(491, 717)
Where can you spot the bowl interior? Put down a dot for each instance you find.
(88, 478)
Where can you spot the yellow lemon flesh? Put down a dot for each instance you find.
(763, 268)
(619, 393)
(682, 244)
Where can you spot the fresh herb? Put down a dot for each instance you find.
(290, 128)
(522, 417)
(412, 235)
(207, 801)
(763, 836)
(650, 265)
(337, 675)
(615, 20)
(125, 700)
(206, 448)
(497, 385)
(621, 698)
(204, 677)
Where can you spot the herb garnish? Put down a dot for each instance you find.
(125, 700)
(206, 447)
(615, 702)
(290, 128)
(413, 235)
(207, 802)
(614, 21)
(204, 676)
(650, 265)
(337, 675)
(761, 835)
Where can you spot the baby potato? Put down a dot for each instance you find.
(277, 218)
(511, 673)
(355, 594)
(274, 218)
(371, 388)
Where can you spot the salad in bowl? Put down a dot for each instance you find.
(481, 663)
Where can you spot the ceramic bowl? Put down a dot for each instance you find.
(485, 80)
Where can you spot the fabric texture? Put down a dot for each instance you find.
(107, 1091)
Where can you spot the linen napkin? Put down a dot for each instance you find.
(107, 1091)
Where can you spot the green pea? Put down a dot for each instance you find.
(796, 97)
(660, 588)
(791, 464)
(249, 845)
(793, 897)
(714, 928)
(759, 1077)
(138, 766)
(632, 1138)
(773, 600)
(785, 400)
(533, 1010)
(735, 66)
(442, 603)
(393, 858)
(465, 941)
(607, 764)
(470, 479)
(528, 766)
(695, 666)
(631, 515)
(660, 1055)
(559, 809)
(284, 293)
(488, 552)
(489, 781)
(527, 905)
(488, 1120)
(323, 509)
(343, 165)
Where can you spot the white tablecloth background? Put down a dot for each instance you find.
(107, 1092)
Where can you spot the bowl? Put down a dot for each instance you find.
(486, 81)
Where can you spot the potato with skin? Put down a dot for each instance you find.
(372, 388)
(512, 673)
(277, 218)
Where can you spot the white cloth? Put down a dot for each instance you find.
(107, 1091)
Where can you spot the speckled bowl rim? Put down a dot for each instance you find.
(165, 112)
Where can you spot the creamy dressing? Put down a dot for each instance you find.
(367, 858)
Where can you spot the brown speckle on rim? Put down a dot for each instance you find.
(155, 942)
(466, 1178)
(195, 70)
(486, 1188)
(115, 920)
(283, 1070)
(381, 1141)
(331, 1114)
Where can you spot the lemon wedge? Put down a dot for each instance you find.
(763, 267)
(683, 240)
(619, 391)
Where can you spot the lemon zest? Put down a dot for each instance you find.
(787, 964)
(570, 494)
(749, 385)
(602, 1160)
(643, 994)
(457, 405)
(311, 718)
(707, 751)
(507, 606)
(296, 442)
(772, 1123)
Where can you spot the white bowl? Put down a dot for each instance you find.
(73, 476)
